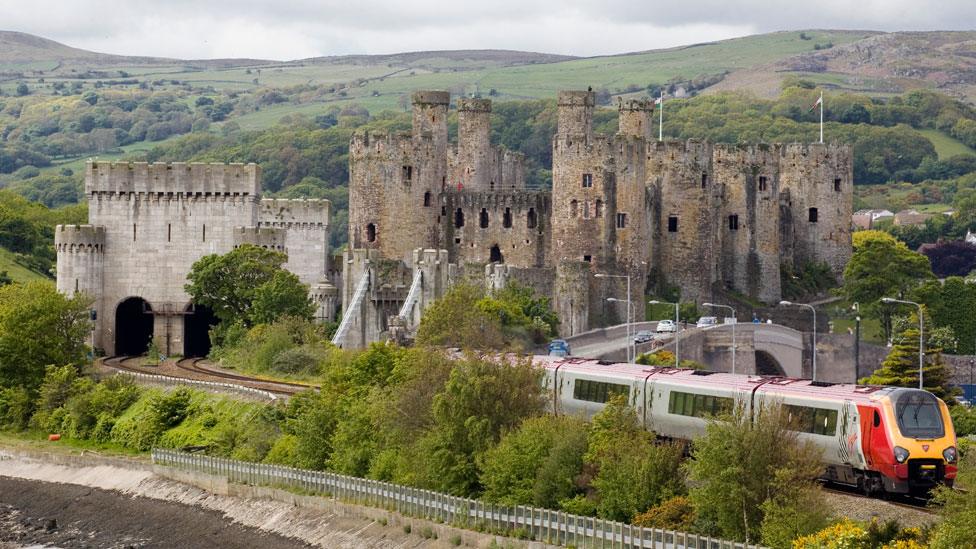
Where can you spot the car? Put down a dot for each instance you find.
(665, 326)
(559, 347)
(643, 336)
(706, 321)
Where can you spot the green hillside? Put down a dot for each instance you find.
(946, 146)
(16, 271)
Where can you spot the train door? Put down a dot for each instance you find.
(849, 440)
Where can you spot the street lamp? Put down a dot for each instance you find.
(630, 355)
(735, 319)
(857, 340)
(814, 310)
(921, 337)
(604, 275)
(677, 330)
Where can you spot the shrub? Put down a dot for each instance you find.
(676, 513)
(16, 408)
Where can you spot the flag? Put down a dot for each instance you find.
(819, 102)
(659, 100)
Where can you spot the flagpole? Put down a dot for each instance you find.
(660, 123)
(821, 117)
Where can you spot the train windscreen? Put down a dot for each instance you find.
(918, 414)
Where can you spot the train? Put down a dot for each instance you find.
(883, 440)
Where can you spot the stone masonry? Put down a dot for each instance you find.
(699, 217)
(150, 222)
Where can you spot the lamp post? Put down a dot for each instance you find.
(677, 330)
(631, 356)
(921, 336)
(814, 310)
(735, 321)
(604, 275)
(857, 340)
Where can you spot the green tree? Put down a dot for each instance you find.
(733, 471)
(454, 320)
(249, 285)
(882, 266)
(900, 367)
(537, 463)
(39, 327)
(958, 508)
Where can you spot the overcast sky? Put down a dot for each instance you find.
(291, 29)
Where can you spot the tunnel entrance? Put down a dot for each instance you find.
(196, 330)
(766, 365)
(133, 327)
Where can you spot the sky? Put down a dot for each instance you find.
(294, 29)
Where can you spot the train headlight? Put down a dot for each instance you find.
(901, 454)
(949, 454)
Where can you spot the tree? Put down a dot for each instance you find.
(22, 89)
(248, 285)
(537, 463)
(39, 327)
(882, 266)
(454, 320)
(900, 367)
(733, 471)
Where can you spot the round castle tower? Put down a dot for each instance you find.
(575, 113)
(80, 263)
(474, 143)
(430, 116)
(635, 118)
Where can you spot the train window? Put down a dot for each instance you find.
(598, 391)
(877, 419)
(818, 421)
(689, 404)
(918, 415)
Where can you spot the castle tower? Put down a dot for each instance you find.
(81, 260)
(430, 116)
(575, 110)
(474, 161)
(635, 118)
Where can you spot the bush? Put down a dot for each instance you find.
(676, 513)
(16, 408)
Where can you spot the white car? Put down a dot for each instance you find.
(665, 326)
(706, 321)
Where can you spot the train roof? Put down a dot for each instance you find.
(785, 386)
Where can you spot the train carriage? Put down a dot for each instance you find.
(882, 439)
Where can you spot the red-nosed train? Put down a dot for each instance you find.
(881, 439)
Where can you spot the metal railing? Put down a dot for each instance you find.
(554, 527)
(169, 381)
(406, 312)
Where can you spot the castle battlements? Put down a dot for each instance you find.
(298, 213)
(475, 105)
(175, 178)
(271, 238)
(79, 239)
(516, 198)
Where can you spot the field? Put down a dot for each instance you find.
(946, 146)
(15, 270)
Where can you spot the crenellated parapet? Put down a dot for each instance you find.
(295, 213)
(172, 179)
(270, 238)
(79, 239)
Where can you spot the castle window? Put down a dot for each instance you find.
(427, 199)
(621, 221)
(371, 233)
(133, 232)
(573, 208)
(704, 179)
(407, 173)
(588, 258)
(734, 222)
(586, 209)
(837, 185)
(169, 232)
(507, 218)
(491, 185)
(443, 182)
(599, 208)
(812, 215)
(587, 180)
(530, 220)
(483, 219)
(458, 218)
(762, 183)
(204, 232)
(444, 210)
(673, 224)
(495, 255)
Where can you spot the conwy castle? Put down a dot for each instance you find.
(705, 219)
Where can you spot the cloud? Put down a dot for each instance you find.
(290, 29)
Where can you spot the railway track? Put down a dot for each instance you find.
(191, 365)
(903, 501)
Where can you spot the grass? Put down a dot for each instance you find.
(946, 146)
(34, 440)
(16, 271)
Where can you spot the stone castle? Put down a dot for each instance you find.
(150, 222)
(703, 218)
(706, 219)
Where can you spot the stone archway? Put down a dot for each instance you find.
(767, 365)
(133, 326)
(197, 321)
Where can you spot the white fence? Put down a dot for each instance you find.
(169, 381)
(539, 524)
